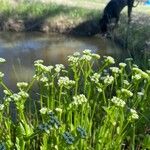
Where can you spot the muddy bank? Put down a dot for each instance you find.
(58, 25)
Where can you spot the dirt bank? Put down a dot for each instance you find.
(58, 24)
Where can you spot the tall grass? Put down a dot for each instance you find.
(135, 38)
(34, 9)
(86, 106)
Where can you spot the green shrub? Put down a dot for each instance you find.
(86, 106)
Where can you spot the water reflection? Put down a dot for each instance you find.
(22, 49)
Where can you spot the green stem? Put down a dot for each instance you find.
(5, 87)
(60, 93)
(133, 138)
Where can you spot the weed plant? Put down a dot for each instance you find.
(86, 106)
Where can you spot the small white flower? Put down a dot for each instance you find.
(43, 110)
(76, 54)
(2, 60)
(87, 52)
(44, 79)
(134, 114)
(118, 102)
(6, 92)
(148, 71)
(38, 61)
(1, 107)
(127, 92)
(96, 56)
(140, 72)
(1, 75)
(129, 59)
(59, 67)
(108, 80)
(16, 97)
(126, 82)
(78, 100)
(95, 77)
(140, 93)
(73, 60)
(136, 77)
(122, 65)
(23, 94)
(22, 85)
(99, 90)
(58, 110)
(65, 81)
(109, 59)
(86, 57)
(115, 69)
(47, 69)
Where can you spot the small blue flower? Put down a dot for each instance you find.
(68, 138)
(82, 132)
(2, 146)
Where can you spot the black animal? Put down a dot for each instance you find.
(112, 12)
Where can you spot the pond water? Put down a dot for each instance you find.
(21, 49)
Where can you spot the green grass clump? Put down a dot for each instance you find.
(36, 9)
(134, 38)
(86, 106)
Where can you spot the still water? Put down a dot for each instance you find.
(21, 49)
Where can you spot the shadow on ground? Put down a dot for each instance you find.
(87, 28)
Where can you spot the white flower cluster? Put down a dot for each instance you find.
(59, 67)
(99, 89)
(127, 92)
(1, 107)
(136, 77)
(20, 96)
(76, 54)
(122, 65)
(129, 59)
(118, 102)
(2, 60)
(86, 57)
(1, 75)
(73, 60)
(115, 69)
(108, 80)
(96, 56)
(141, 73)
(65, 81)
(109, 59)
(46, 68)
(43, 110)
(87, 52)
(134, 114)
(140, 94)
(22, 85)
(38, 61)
(6, 92)
(95, 77)
(58, 110)
(148, 71)
(125, 82)
(78, 100)
(40, 67)
(44, 79)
